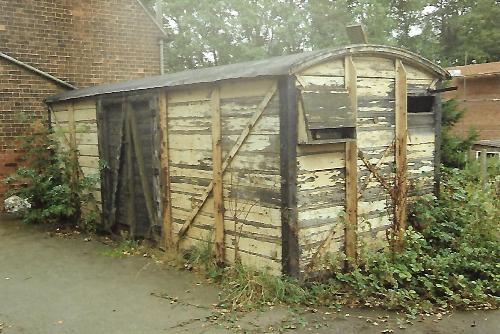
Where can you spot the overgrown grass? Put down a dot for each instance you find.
(450, 260)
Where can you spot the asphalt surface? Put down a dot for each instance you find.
(52, 284)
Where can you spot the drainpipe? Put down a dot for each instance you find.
(37, 71)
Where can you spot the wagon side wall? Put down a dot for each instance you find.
(251, 181)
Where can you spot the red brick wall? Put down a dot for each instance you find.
(480, 99)
(82, 42)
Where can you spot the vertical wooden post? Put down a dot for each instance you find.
(74, 164)
(217, 175)
(129, 170)
(72, 142)
(351, 168)
(165, 176)
(288, 113)
(401, 187)
(438, 112)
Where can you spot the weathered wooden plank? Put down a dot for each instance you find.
(325, 109)
(401, 190)
(420, 135)
(86, 138)
(61, 116)
(246, 107)
(249, 259)
(438, 114)
(88, 171)
(85, 114)
(328, 68)
(308, 82)
(231, 125)
(88, 150)
(85, 103)
(320, 216)
(195, 93)
(413, 72)
(288, 170)
(303, 150)
(374, 67)
(351, 202)
(245, 88)
(317, 179)
(165, 171)
(217, 175)
(320, 161)
(87, 161)
(375, 88)
(189, 110)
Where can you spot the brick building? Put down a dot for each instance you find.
(479, 94)
(47, 46)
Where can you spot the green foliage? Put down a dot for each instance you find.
(50, 181)
(450, 260)
(451, 254)
(453, 148)
(205, 33)
(244, 288)
(125, 247)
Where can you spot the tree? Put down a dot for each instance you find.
(453, 148)
(205, 33)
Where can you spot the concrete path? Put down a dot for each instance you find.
(52, 285)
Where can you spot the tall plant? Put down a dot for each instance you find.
(50, 180)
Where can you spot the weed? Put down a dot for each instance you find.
(125, 247)
(449, 260)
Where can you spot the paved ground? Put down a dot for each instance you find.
(52, 284)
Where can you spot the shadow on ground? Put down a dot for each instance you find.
(51, 284)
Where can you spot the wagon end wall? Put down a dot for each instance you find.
(356, 151)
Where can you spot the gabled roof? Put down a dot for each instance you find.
(276, 66)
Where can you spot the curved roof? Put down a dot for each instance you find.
(276, 66)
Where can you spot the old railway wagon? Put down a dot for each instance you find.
(277, 162)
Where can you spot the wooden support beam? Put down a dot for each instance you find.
(217, 175)
(351, 167)
(232, 153)
(165, 170)
(401, 187)
(129, 172)
(288, 113)
(437, 108)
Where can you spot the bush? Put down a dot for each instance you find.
(450, 259)
(51, 182)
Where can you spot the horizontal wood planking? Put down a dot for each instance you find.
(321, 170)
(251, 181)
(330, 68)
(85, 118)
(377, 67)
